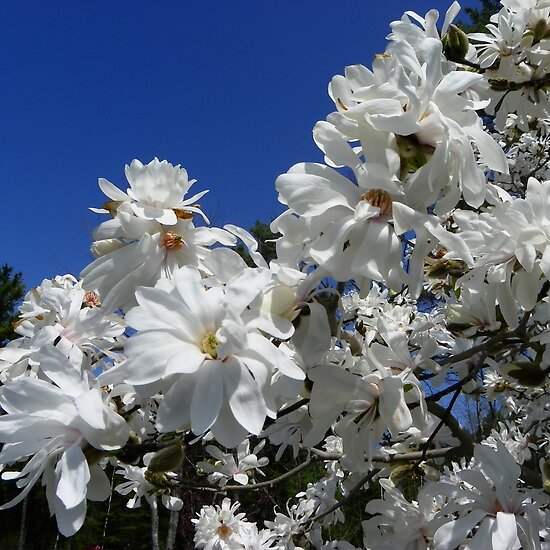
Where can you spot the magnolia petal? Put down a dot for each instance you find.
(160, 310)
(99, 486)
(59, 370)
(311, 194)
(507, 304)
(208, 396)
(505, 532)
(70, 520)
(239, 292)
(174, 412)
(90, 408)
(74, 476)
(244, 396)
(250, 243)
(527, 288)
(452, 534)
(188, 359)
(37, 397)
(227, 431)
(312, 336)
(392, 406)
(111, 191)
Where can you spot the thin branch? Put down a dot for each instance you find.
(452, 423)
(412, 456)
(253, 486)
(443, 420)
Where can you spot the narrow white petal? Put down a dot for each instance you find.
(244, 396)
(74, 476)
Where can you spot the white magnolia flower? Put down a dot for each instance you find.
(516, 443)
(415, 123)
(227, 467)
(509, 245)
(490, 507)
(150, 236)
(363, 407)
(209, 351)
(220, 528)
(136, 483)
(59, 427)
(59, 312)
(156, 192)
(398, 523)
(348, 224)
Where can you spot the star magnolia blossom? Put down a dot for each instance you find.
(372, 402)
(382, 291)
(347, 222)
(509, 245)
(487, 497)
(220, 528)
(204, 348)
(150, 236)
(59, 312)
(225, 466)
(156, 192)
(60, 427)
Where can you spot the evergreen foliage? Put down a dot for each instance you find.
(12, 289)
(479, 17)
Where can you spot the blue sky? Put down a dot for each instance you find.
(228, 89)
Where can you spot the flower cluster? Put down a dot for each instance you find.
(408, 296)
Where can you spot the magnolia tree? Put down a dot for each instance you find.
(412, 274)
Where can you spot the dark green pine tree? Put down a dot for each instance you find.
(12, 290)
(479, 17)
(266, 247)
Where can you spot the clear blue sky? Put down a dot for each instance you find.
(228, 89)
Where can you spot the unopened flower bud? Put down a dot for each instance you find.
(168, 459)
(540, 30)
(455, 43)
(103, 247)
(157, 479)
(526, 373)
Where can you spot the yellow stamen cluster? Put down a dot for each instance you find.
(182, 214)
(380, 199)
(112, 207)
(172, 241)
(224, 531)
(210, 345)
(91, 299)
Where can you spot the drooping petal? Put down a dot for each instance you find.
(244, 396)
(74, 475)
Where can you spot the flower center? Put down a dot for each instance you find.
(224, 531)
(172, 241)
(183, 214)
(210, 345)
(380, 199)
(91, 299)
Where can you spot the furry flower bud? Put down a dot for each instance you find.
(167, 459)
(455, 43)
